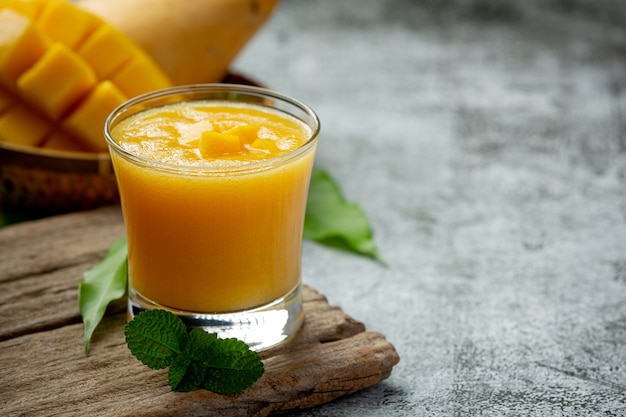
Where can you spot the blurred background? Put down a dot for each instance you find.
(486, 142)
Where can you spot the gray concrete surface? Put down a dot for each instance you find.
(486, 141)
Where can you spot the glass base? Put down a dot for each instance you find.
(260, 328)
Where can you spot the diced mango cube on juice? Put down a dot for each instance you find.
(139, 75)
(57, 81)
(106, 50)
(63, 22)
(22, 126)
(215, 144)
(21, 45)
(247, 133)
(265, 145)
(87, 120)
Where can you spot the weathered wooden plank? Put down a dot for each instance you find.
(42, 263)
(47, 373)
(46, 245)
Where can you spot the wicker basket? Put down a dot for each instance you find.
(59, 181)
(55, 181)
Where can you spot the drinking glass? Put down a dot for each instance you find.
(218, 244)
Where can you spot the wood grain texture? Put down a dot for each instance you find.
(45, 371)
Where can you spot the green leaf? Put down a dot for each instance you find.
(185, 374)
(231, 366)
(103, 283)
(188, 372)
(200, 344)
(332, 221)
(197, 359)
(156, 337)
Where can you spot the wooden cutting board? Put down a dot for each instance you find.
(45, 370)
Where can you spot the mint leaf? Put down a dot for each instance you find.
(231, 366)
(332, 221)
(185, 374)
(103, 283)
(196, 359)
(188, 372)
(155, 337)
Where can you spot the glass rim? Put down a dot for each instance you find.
(211, 88)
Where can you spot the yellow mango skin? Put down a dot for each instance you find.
(56, 82)
(64, 70)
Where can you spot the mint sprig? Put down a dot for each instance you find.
(197, 359)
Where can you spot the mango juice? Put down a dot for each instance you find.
(213, 196)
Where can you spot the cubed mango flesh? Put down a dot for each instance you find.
(21, 45)
(20, 125)
(247, 133)
(215, 144)
(57, 81)
(63, 22)
(139, 76)
(92, 112)
(265, 145)
(106, 50)
(62, 71)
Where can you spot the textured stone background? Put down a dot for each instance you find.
(486, 141)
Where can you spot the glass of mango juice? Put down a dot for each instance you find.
(213, 182)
